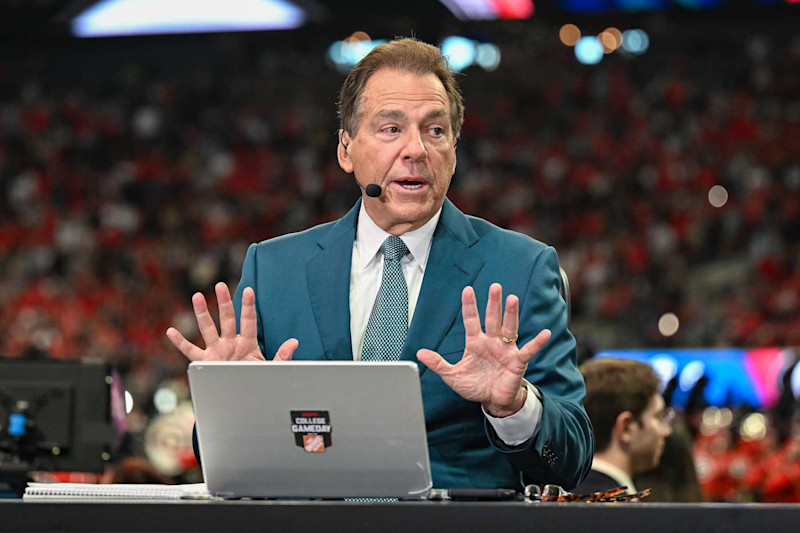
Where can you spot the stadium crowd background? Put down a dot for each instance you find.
(133, 174)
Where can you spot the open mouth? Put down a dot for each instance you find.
(410, 185)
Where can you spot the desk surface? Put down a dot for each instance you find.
(331, 517)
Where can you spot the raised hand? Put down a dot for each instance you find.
(226, 345)
(492, 367)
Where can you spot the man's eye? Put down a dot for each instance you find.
(391, 129)
(437, 131)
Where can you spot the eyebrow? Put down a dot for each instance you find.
(396, 114)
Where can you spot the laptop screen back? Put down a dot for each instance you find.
(315, 429)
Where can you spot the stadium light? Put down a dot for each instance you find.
(459, 51)
(128, 402)
(589, 51)
(148, 17)
(345, 54)
(665, 366)
(690, 375)
(488, 56)
(490, 9)
(635, 41)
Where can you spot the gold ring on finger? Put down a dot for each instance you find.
(509, 340)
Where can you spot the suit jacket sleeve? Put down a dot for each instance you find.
(561, 452)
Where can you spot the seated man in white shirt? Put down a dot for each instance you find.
(630, 422)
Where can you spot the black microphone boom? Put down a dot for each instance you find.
(373, 190)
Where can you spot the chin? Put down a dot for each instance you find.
(411, 215)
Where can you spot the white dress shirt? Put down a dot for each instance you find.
(366, 273)
(620, 477)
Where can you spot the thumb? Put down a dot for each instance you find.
(435, 362)
(286, 351)
(536, 344)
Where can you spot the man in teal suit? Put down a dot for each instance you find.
(502, 392)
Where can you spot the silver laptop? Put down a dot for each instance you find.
(311, 429)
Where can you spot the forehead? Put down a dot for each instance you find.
(655, 405)
(393, 88)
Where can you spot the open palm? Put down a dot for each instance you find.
(226, 344)
(491, 369)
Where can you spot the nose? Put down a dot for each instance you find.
(414, 148)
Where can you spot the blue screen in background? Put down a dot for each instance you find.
(632, 6)
(735, 376)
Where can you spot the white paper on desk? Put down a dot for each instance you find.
(38, 491)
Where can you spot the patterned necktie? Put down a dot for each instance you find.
(388, 321)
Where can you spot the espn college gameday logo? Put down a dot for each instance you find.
(312, 430)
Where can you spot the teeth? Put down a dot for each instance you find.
(405, 186)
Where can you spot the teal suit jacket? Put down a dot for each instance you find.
(302, 287)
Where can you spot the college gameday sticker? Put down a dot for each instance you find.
(312, 430)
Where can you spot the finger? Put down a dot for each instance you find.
(469, 310)
(286, 351)
(435, 362)
(532, 348)
(249, 319)
(510, 318)
(494, 310)
(204, 321)
(192, 352)
(227, 316)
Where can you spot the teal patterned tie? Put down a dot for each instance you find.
(388, 321)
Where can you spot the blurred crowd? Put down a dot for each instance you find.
(121, 197)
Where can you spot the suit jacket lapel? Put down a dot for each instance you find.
(328, 279)
(451, 267)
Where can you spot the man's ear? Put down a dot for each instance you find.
(455, 156)
(341, 152)
(623, 427)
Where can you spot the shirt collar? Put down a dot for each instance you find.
(622, 478)
(370, 236)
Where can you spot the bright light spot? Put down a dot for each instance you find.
(490, 9)
(616, 34)
(717, 196)
(147, 17)
(128, 402)
(710, 420)
(665, 366)
(354, 51)
(569, 34)
(165, 400)
(589, 51)
(335, 53)
(668, 324)
(725, 417)
(608, 41)
(754, 427)
(459, 51)
(690, 375)
(794, 381)
(345, 54)
(635, 41)
(488, 56)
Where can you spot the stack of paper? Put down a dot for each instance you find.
(54, 491)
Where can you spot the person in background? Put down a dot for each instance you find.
(630, 420)
(674, 480)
